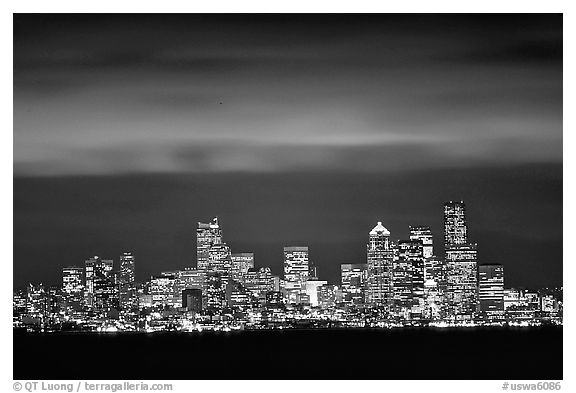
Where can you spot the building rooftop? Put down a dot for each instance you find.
(379, 228)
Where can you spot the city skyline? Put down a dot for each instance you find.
(127, 128)
(402, 283)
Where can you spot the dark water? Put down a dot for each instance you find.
(494, 353)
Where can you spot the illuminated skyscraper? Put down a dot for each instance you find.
(19, 302)
(206, 236)
(216, 292)
(434, 288)
(219, 258)
(99, 290)
(127, 282)
(462, 280)
(295, 271)
(36, 300)
(353, 280)
(240, 296)
(408, 279)
(241, 262)
(259, 281)
(491, 288)
(380, 256)
(127, 272)
(461, 263)
(164, 290)
(423, 234)
(72, 288)
(455, 229)
(192, 278)
(327, 296)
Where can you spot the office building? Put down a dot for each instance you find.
(424, 235)
(353, 282)
(379, 264)
(36, 300)
(241, 262)
(312, 290)
(164, 290)
(455, 228)
(491, 288)
(72, 288)
(408, 279)
(327, 296)
(462, 280)
(296, 268)
(219, 258)
(192, 300)
(206, 235)
(127, 282)
(434, 288)
(100, 291)
(259, 281)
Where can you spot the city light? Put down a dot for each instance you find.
(402, 283)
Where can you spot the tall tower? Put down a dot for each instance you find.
(127, 282)
(207, 234)
(127, 269)
(100, 289)
(461, 260)
(72, 287)
(296, 270)
(408, 279)
(379, 260)
(455, 230)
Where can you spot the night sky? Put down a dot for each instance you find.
(293, 129)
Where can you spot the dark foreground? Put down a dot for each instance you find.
(488, 353)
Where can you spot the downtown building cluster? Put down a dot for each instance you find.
(401, 283)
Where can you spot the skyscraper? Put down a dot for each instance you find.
(327, 296)
(423, 234)
(462, 280)
(72, 288)
(295, 271)
(219, 258)
(127, 282)
(127, 272)
(379, 256)
(461, 263)
(164, 290)
(353, 280)
(99, 282)
(455, 229)
(206, 235)
(434, 288)
(36, 300)
(241, 262)
(491, 288)
(259, 281)
(215, 292)
(408, 279)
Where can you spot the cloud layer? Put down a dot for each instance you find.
(125, 94)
